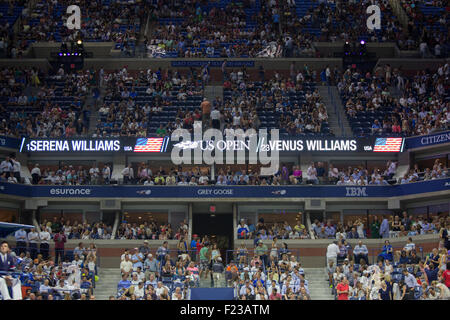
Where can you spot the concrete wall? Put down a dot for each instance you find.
(44, 49)
(381, 50)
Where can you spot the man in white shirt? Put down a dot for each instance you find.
(126, 266)
(160, 288)
(33, 238)
(177, 294)
(361, 252)
(203, 180)
(94, 174)
(128, 174)
(215, 118)
(16, 168)
(332, 252)
(6, 166)
(311, 174)
(36, 173)
(106, 173)
(44, 236)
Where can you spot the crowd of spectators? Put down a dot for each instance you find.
(235, 29)
(389, 226)
(164, 276)
(69, 275)
(292, 104)
(346, 21)
(44, 106)
(319, 173)
(151, 231)
(101, 20)
(135, 103)
(427, 27)
(267, 274)
(439, 171)
(423, 107)
(270, 231)
(68, 175)
(396, 275)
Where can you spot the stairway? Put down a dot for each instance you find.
(337, 119)
(319, 288)
(211, 92)
(107, 284)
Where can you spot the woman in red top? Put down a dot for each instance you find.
(343, 289)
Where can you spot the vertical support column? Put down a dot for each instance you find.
(190, 220)
(235, 216)
(116, 225)
(35, 223)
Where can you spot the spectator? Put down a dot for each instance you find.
(360, 251)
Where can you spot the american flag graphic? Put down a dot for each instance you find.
(149, 145)
(388, 144)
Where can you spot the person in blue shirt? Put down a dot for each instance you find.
(194, 247)
(330, 231)
(124, 283)
(387, 252)
(138, 259)
(21, 241)
(431, 273)
(86, 284)
(384, 228)
(251, 228)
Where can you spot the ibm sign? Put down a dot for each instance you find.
(356, 192)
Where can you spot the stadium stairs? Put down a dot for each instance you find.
(336, 115)
(318, 284)
(107, 284)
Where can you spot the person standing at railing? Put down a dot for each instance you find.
(21, 241)
(10, 288)
(59, 239)
(384, 228)
(44, 237)
(33, 238)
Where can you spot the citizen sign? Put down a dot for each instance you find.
(356, 192)
(70, 191)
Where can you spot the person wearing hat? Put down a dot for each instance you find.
(217, 270)
(145, 248)
(261, 251)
